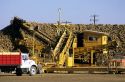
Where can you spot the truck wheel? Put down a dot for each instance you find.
(90, 71)
(119, 72)
(70, 72)
(112, 72)
(19, 72)
(33, 71)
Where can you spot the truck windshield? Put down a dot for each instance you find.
(25, 56)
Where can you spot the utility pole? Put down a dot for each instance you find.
(93, 18)
(59, 20)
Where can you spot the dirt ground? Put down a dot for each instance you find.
(63, 78)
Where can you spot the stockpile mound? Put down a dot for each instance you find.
(11, 35)
(5, 43)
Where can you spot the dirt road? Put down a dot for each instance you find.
(64, 78)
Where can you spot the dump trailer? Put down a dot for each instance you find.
(17, 62)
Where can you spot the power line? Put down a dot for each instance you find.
(67, 22)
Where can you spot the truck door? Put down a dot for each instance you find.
(25, 62)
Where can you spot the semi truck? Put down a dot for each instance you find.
(17, 62)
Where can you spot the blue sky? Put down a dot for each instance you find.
(75, 11)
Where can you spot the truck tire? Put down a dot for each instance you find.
(70, 72)
(90, 71)
(119, 72)
(112, 72)
(33, 71)
(19, 72)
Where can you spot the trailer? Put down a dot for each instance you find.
(113, 68)
(18, 62)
